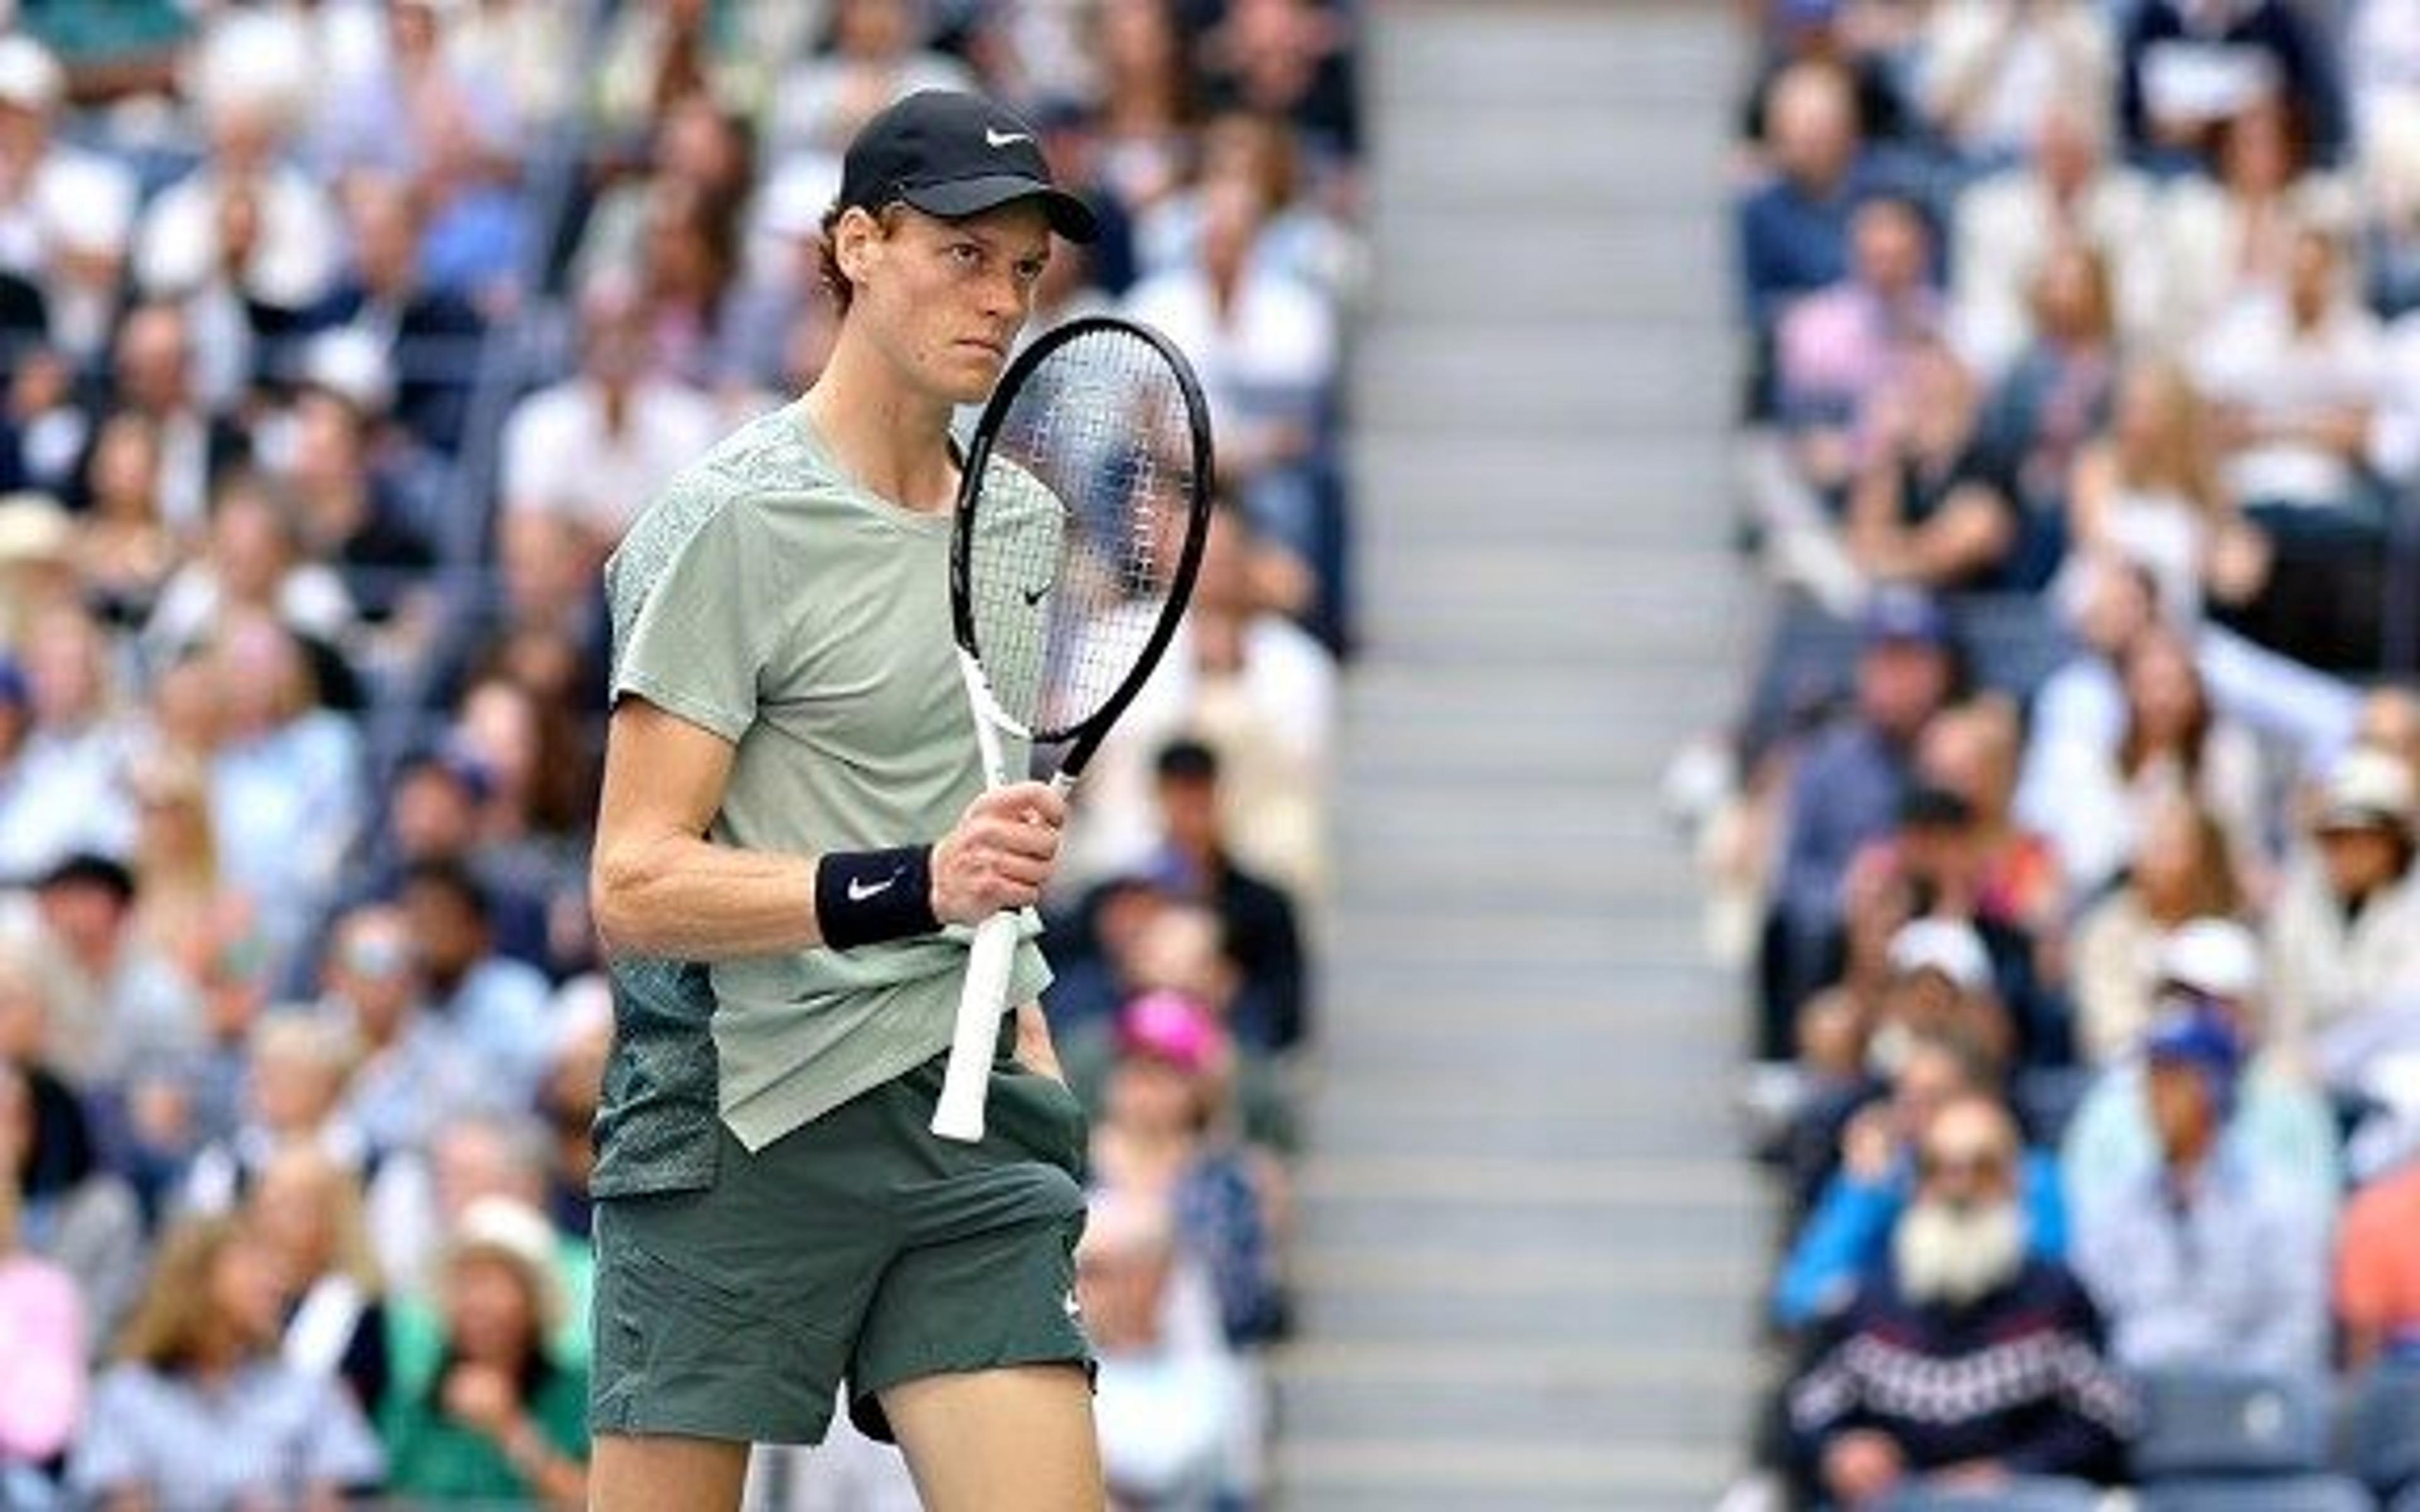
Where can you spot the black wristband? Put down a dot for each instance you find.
(866, 897)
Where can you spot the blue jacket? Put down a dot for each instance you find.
(1849, 1234)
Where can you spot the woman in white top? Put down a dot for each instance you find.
(2149, 491)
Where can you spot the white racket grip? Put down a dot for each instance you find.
(959, 1115)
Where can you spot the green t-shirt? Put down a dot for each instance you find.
(770, 599)
(430, 1455)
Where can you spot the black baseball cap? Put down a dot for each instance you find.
(953, 154)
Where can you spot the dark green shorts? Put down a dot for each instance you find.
(858, 1247)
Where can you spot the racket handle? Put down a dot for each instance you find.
(959, 1115)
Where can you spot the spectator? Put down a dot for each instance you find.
(124, 553)
(496, 1005)
(659, 53)
(1932, 503)
(200, 1411)
(2056, 396)
(2151, 491)
(1848, 342)
(415, 1073)
(155, 374)
(2224, 240)
(2188, 66)
(480, 1408)
(1148, 99)
(2174, 744)
(2205, 1261)
(42, 1375)
(1848, 1233)
(1793, 230)
(72, 1210)
(306, 1209)
(428, 335)
(2281, 1127)
(64, 792)
(252, 563)
(295, 1070)
(2377, 1277)
(1163, 1139)
(1846, 788)
(2344, 939)
(1963, 1360)
(115, 1004)
(2182, 870)
(1301, 241)
(44, 433)
(1173, 1399)
(351, 516)
(180, 899)
(599, 445)
(1264, 346)
(65, 213)
(1289, 59)
(250, 74)
(568, 1099)
(874, 52)
(1991, 75)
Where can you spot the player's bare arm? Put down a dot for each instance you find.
(661, 888)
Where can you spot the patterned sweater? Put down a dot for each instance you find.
(2020, 1377)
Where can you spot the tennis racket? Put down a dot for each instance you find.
(1080, 518)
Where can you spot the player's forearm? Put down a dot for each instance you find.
(687, 899)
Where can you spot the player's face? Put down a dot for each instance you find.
(951, 296)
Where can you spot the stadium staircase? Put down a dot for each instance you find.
(1528, 1244)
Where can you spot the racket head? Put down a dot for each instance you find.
(1079, 532)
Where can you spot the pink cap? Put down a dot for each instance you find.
(1174, 1027)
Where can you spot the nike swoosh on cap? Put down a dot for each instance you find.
(1002, 139)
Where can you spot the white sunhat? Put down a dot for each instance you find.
(1948, 946)
(2216, 957)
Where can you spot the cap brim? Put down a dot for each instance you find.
(1069, 216)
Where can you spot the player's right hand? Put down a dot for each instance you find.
(1000, 853)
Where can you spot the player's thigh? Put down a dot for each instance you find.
(1016, 1439)
(632, 1473)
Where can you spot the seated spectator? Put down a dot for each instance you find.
(1989, 76)
(71, 1210)
(496, 1005)
(415, 1071)
(1292, 59)
(1932, 503)
(248, 76)
(2206, 1260)
(65, 213)
(1848, 1233)
(2188, 66)
(252, 562)
(200, 1410)
(2281, 1125)
(2174, 744)
(533, 827)
(1845, 791)
(306, 1209)
(1847, 342)
(873, 52)
(42, 1373)
(480, 1407)
(285, 782)
(2377, 1277)
(156, 373)
(1962, 1358)
(2182, 870)
(1793, 229)
(1173, 1400)
(2229, 239)
(124, 551)
(1147, 101)
(1254, 685)
(2295, 372)
(295, 1074)
(115, 1004)
(44, 434)
(64, 792)
(596, 447)
(2344, 938)
(430, 337)
(1971, 750)
(1266, 348)
(2056, 397)
(1301, 240)
(1163, 1138)
(351, 516)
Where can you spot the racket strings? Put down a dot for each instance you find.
(1079, 521)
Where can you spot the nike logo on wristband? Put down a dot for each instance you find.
(858, 891)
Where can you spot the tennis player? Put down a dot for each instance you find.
(793, 812)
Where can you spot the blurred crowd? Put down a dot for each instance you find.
(2069, 835)
(343, 338)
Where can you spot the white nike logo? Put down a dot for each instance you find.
(1002, 139)
(1074, 1308)
(858, 891)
